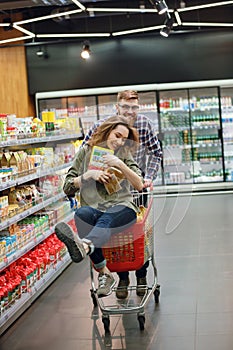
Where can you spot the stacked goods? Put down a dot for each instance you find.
(22, 275)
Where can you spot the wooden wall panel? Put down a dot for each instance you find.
(14, 96)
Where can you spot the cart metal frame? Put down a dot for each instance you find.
(121, 306)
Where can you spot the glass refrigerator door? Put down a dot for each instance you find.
(83, 109)
(227, 125)
(175, 128)
(148, 107)
(107, 105)
(205, 135)
(57, 105)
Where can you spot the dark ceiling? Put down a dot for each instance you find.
(87, 22)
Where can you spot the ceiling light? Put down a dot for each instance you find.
(78, 3)
(160, 5)
(182, 4)
(43, 18)
(178, 19)
(74, 35)
(14, 39)
(204, 6)
(25, 31)
(138, 30)
(85, 53)
(41, 52)
(168, 24)
(122, 9)
(142, 5)
(206, 24)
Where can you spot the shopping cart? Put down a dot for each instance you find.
(128, 251)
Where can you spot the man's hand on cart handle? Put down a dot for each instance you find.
(148, 183)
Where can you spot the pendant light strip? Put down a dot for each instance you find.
(125, 10)
(204, 6)
(207, 24)
(78, 3)
(19, 38)
(43, 18)
(77, 35)
(25, 31)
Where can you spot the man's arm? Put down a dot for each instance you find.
(154, 154)
(91, 131)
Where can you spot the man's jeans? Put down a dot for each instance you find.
(97, 226)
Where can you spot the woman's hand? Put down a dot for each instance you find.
(130, 175)
(98, 175)
(112, 160)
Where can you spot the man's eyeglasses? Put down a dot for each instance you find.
(128, 107)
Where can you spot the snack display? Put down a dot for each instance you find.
(32, 166)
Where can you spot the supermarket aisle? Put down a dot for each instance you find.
(194, 253)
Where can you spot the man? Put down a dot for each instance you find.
(148, 157)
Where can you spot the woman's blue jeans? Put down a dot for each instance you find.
(98, 226)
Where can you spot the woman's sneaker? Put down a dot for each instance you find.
(106, 283)
(73, 243)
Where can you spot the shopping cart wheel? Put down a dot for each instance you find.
(141, 320)
(106, 322)
(157, 294)
(93, 296)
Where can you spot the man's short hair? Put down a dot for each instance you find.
(127, 95)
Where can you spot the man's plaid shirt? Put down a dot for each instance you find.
(149, 154)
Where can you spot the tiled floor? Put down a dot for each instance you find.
(194, 254)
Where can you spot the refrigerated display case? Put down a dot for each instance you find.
(193, 120)
(227, 126)
(83, 109)
(191, 128)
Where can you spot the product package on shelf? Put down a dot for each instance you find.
(30, 181)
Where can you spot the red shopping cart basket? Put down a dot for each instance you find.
(131, 248)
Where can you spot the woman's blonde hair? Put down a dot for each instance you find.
(101, 134)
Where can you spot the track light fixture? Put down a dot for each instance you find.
(168, 24)
(85, 53)
(42, 52)
(160, 6)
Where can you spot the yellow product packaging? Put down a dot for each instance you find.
(96, 160)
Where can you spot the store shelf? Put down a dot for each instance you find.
(44, 139)
(27, 298)
(30, 211)
(9, 315)
(32, 244)
(38, 174)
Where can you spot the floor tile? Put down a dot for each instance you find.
(194, 258)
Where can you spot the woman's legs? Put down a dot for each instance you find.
(97, 227)
(113, 220)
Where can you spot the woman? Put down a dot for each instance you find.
(102, 214)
